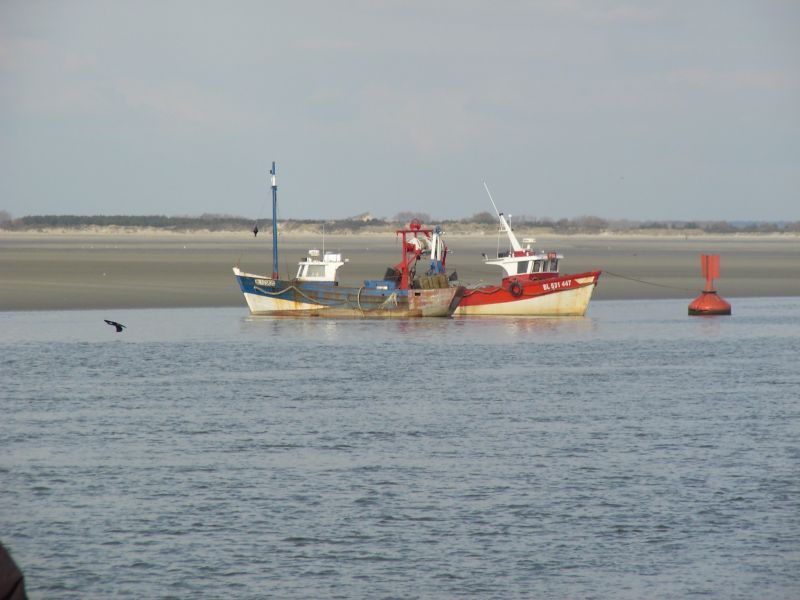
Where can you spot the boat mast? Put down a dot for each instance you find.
(274, 223)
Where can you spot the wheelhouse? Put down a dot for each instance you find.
(321, 270)
(526, 261)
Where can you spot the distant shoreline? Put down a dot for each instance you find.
(456, 231)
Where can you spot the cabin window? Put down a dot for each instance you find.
(302, 271)
(537, 266)
(554, 264)
(315, 271)
(522, 267)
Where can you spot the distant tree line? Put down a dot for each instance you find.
(210, 222)
(484, 221)
(592, 224)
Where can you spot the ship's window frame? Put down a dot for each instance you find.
(315, 271)
(522, 267)
(537, 266)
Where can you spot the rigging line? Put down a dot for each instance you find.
(672, 287)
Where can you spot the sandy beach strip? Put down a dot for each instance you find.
(61, 271)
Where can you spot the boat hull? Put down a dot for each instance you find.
(560, 296)
(277, 297)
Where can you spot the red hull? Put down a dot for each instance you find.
(524, 295)
(492, 294)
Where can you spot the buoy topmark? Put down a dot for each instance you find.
(709, 303)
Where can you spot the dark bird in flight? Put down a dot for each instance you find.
(118, 326)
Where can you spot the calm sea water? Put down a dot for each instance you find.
(634, 453)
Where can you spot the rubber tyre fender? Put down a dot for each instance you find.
(516, 289)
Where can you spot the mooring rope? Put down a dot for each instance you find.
(664, 285)
(300, 292)
(485, 289)
(494, 289)
(392, 298)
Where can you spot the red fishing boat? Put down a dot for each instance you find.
(531, 285)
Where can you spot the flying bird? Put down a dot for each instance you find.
(118, 326)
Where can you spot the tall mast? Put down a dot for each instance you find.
(274, 223)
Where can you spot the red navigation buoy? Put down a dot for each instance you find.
(709, 303)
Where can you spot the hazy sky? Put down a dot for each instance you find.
(639, 110)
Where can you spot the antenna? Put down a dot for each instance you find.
(504, 226)
(490, 198)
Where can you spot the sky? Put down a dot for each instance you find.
(624, 110)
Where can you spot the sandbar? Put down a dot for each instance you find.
(63, 271)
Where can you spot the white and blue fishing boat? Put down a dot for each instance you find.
(314, 291)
